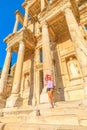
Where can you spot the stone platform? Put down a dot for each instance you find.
(64, 116)
(26, 126)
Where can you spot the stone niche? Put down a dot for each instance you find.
(26, 88)
(73, 68)
(74, 84)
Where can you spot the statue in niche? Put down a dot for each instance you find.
(26, 83)
(26, 90)
(73, 68)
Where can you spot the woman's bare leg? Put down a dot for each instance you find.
(50, 95)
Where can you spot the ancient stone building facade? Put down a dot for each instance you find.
(52, 40)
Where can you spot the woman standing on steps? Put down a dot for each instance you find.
(50, 89)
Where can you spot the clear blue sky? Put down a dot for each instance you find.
(7, 20)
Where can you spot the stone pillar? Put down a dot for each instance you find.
(17, 77)
(18, 70)
(42, 5)
(47, 64)
(79, 44)
(5, 71)
(16, 24)
(25, 24)
(38, 87)
(47, 60)
(34, 100)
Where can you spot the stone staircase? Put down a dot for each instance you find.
(44, 98)
(64, 116)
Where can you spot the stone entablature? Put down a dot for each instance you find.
(22, 35)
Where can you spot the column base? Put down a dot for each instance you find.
(25, 101)
(2, 103)
(14, 101)
(44, 96)
(34, 102)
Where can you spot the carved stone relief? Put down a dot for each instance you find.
(73, 68)
(26, 87)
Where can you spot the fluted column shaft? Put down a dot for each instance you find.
(79, 44)
(19, 67)
(5, 71)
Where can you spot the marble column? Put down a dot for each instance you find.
(34, 100)
(36, 93)
(17, 77)
(79, 44)
(43, 5)
(36, 61)
(47, 63)
(25, 24)
(16, 24)
(18, 70)
(47, 60)
(38, 87)
(4, 75)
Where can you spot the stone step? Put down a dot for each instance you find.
(26, 126)
(48, 116)
(60, 109)
(49, 119)
(63, 104)
(44, 109)
(44, 98)
(65, 113)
